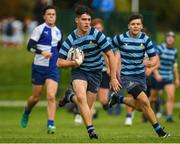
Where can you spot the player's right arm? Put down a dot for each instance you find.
(149, 70)
(62, 61)
(32, 43)
(176, 72)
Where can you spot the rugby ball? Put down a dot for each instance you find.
(70, 55)
(74, 53)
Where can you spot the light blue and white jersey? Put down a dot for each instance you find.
(113, 49)
(132, 52)
(168, 59)
(91, 44)
(47, 39)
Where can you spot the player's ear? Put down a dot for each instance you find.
(76, 20)
(44, 17)
(128, 26)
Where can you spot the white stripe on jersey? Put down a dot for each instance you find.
(46, 38)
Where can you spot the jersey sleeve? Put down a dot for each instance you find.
(176, 59)
(159, 49)
(102, 42)
(116, 41)
(66, 45)
(36, 33)
(59, 45)
(114, 49)
(149, 47)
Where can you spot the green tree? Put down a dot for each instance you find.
(167, 12)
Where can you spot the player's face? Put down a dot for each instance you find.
(83, 23)
(135, 26)
(170, 40)
(99, 27)
(50, 17)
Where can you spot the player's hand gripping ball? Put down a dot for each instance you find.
(76, 54)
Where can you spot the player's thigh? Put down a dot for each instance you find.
(37, 90)
(51, 87)
(154, 95)
(80, 87)
(91, 97)
(143, 100)
(170, 90)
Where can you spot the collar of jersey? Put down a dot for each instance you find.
(128, 34)
(77, 36)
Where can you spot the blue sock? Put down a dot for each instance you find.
(168, 117)
(90, 128)
(50, 122)
(120, 99)
(156, 127)
(129, 115)
(27, 111)
(70, 96)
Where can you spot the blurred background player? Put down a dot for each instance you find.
(167, 76)
(45, 43)
(7, 32)
(29, 26)
(86, 73)
(17, 38)
(103, 92)
(133, 44)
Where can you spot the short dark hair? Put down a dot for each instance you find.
(48, 7)
(82, 9)
(135, 16)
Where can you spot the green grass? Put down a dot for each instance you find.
(110, 129)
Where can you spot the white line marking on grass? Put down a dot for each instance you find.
(20, 103)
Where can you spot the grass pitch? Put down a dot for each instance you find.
(110, 129)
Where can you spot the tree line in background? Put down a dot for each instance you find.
(167, 11)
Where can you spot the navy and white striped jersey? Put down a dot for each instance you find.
(168, 58)
(113, 49)
(132, 52)
(47, 39)
(91, 44)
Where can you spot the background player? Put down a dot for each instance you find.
(133, 44)
(167, 74)
(103, 91)
(44, 42)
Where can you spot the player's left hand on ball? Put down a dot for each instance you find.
(79, 56)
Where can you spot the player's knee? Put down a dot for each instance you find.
(81, 99)
(51, 97)
(144, 102)
(153, 99)
(135, 92)
(103, 100)
(170, 99)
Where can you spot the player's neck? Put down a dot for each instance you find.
(169, 45)
(81, 33)
(133, 35)
(50, 25)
